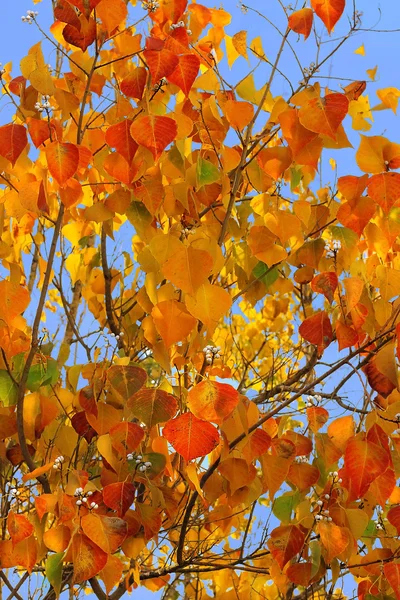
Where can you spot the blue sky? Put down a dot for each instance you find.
(382, 50)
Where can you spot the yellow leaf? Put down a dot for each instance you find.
(209, 305)
(34, 68)
(239, 41)
(231, 53)
(360, 50)
(372, 73)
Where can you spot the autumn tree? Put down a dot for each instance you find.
(183, 303)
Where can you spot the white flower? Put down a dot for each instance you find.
(319, 502)
(92, 504)
(148, 464)
(79, 502)
(89, 493)
(327, 496)
(84, 499)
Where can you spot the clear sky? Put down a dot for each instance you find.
(382, 49)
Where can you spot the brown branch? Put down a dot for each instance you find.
(34, 345)
(107, 291)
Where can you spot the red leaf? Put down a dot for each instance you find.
(326, 284)
(301, 21)
(191, 437)
(363, 462)
(394, 517)
(118, 136)
(154, 133)
(88, 559)
(13, 140)
(329, 11)
(185, 72)
(392, 574)
(384, 189)
(83, 36)
(119, 496)
(161, 63)
(285, 542)
(125, 437)
(133, 85)
(62, 160)
(317, 330)
(82, 427)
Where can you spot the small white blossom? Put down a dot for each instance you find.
(79, 502)
(148, 464)
(150, 5)
(327, 496)
(84, 499)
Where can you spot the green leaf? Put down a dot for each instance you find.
(206, 173)
(347, 237)
(295, 178)
(44, 372)
(265, 274)
(8, 389)
(284, 506)
(53, 570)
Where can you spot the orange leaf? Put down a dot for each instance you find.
(62, 160)
(112, 13)
(317, 330)
(346, 335)
(334, 539)
(126, 380)
(13, 140)
(25, 553)
(37, 472)
(394, 517)
(324, 115)
(118, 136)
(341, 430)
(18, 527)
(392, 574)
(174, 9)
(303, 476)
(188, 268)
(88, 559)
(107, 533)
(154, 133)
(119, 496)
(14, 299)
(191, 437)
(300, 573)
(185, 72)
(354, 287)
(172, 321)
(153, 406)
(125, 437)
(317, 417)
(384, 189)
(212, 401)
(111, 574)
(239, 114)
(329, 11)
(326, 284)
(133, 85)
(301, 21)
(161, 63)
(363, 462)
(285, 542)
